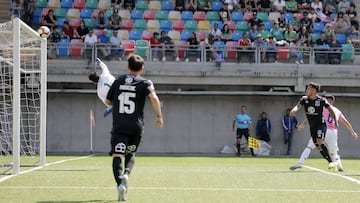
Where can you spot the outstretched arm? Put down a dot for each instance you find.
(155, 102)
(302, 125)
(349, 127)
(295, 109)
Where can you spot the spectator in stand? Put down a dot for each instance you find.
(224, 13)
(252, 5)
(104, 45)
(317, 4)
(343, 6)
(303, 37)
(245, 49)
(167, 46)
(232, 4)
(271, 49)
(49, 20)
(264, 33)
(260, 45)
(67, 31)
(279, 6)
(205, 7)
(54, 38)
(226, 33)
(291, 6)
(306, 22)
(342, 23)
(216, 32)
(327, 10)
(191, 5)
(116, 3)
(329, 31)
(129, 4)
(353, 16)
(303, 5)
(312, 15)
(277, 32)
(115, 20)
(332, 5)
(16, 8)
(295, 23)
(322, 48)
(29, 9)
(90, 42)
(282, 21)
(253, 32)
(335, 51)
(81, 31)
(155, 46)
(353, 36)
(193, 47)
(290, 35)
(242, 5)
(101, 21)
(264, 6)
(117, 49)
(179, 5)
(321, 17)
(255, 21)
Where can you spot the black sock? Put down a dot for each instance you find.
(252, 151)
(324, 152)
(238, 148)
(117, 169)
(129, 162)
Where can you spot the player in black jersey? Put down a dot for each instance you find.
(313, 105)
(127, 96)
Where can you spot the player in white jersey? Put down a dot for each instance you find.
(330, 138)
(104, 82)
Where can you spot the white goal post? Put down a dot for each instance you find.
(23, 86)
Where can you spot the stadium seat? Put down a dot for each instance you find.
(79, 4)
(42, 3)
(38, 12)
(174, 35)
(104, 4)
(110, 33)
(123, 34)
(61, 21)
(181, 47)
(93, 4)
(95, 13)
(220, 24)
(219, 44)
(63, 47)
(212, 15)
(76, 46)
(204, 25)
(179, 25)
(217, 5)
(191, 25)
(129, 46)
(108, 13)
(74, 23)
(140, 25)
(141, 48)
(98, 32)
(231, 24)
(187, 15)
(318, 27)
(36, 20)
(268, 25)
(242, 26)
(155, 5)
(248, 16)
(237, 35)
(166, 25)
(86, 13)
(137, 14)
(149, 15)
(231, 49)
(199, 15)
(89, 22)
(54, 4)
(274, 16)
(73, 13)
(167, 5)
(263, 16)
(127, 24)
(125, 14)
(44, 12)
(162, 15)
(153, 25)
(142, 5)
(60, 12)
(237, 16)
(147, 35)
(135, 34)
(174, 15)
(69, 4)
(333, 16)
(289, 16)
(314, 37)
(347, 52)
(201, 35)
(185, 35)
(341, 38)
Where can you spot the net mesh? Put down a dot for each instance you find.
(30, 53)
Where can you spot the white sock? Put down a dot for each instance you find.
(304, 155)
(337, 159)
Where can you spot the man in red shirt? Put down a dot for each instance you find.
(155, 46)
(67, 31)
(245, 48)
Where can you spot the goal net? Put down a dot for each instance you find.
(22, 97)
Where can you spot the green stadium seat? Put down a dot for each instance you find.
(263, 16)
(141, 48)
(191, 25)
(109, 12)
(142, 5)
(242, 26)
(93, 4)
(140, 25)
(212, 15)
(60, 12)
(42, 3)
(90, 23)
(162, 15)
(347, 52)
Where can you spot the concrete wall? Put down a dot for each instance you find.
(193, 124)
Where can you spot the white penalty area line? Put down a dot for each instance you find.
(40, 167)
(334, 174)
(178, 189)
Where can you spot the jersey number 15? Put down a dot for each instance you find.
(126, 104)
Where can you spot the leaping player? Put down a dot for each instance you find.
(330, 138)
(104, 82)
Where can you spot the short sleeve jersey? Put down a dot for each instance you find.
(330, 123)
(128, 94)
(242, 121)
(314, 109)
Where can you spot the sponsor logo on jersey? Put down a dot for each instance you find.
(317, 102)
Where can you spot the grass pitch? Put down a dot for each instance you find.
(185, 179)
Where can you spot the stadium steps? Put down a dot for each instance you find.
(4, 11)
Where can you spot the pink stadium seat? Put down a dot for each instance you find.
(97, 32)
(231, 50)
(179, 25)
(201, 36)
(74, 23)
(248, 16)
(231, 24)
(44, 12)
(199, 15)
(129, 46)
(95, 13)
(76, 47)
(181, 46)
(147, 34)
(127, 24)
(79, 4)
(149, 15)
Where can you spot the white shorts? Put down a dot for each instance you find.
(331, 138)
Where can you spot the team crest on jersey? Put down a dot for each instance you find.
(317, 103)
(128, 81)
(311, 110)
(131, 148)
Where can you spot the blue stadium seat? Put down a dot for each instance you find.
(167, 5)
(135, 34)
(217, 5)
(268, 25)
(318, 27)
(61, 21)
(237, 35)
(66, 3)
(86, 13)
(165, 25)
(63, 47)
(38, 12)
(237, 16)
(187, 15)
(289, 16)
(341, 38)
(220, 24)
(185, 35)
(36, 20)
(137, 14)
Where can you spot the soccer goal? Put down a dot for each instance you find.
(23, 69)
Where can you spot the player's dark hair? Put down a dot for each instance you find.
(93, 76)
(135, 62)
(328, 96)
(314, 85)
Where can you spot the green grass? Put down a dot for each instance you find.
(185, 179)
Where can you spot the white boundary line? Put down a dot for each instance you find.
(333, 174)
(179, 189)
(40, 167)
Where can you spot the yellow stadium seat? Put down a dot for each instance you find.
(54, 4)
(125, 14)
(104, 4)
(204, 25)
(153, 25)
(73, 13)
(155, 5)
(174, 15)
(174, 35)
